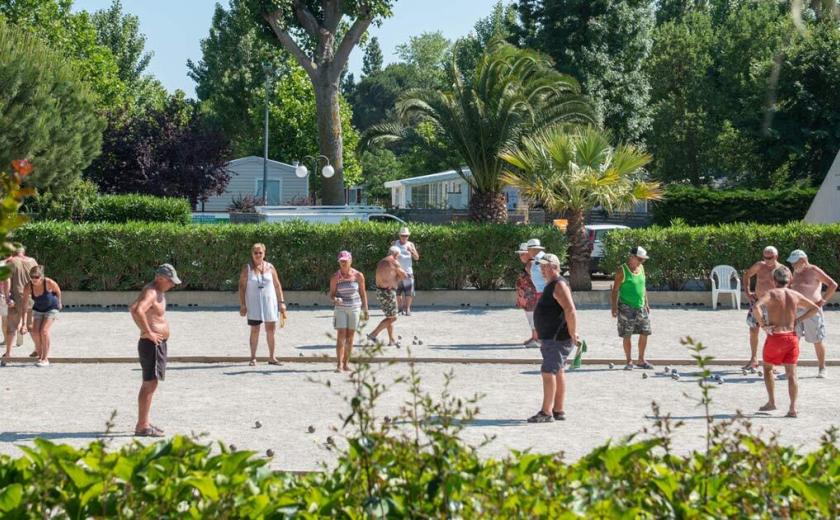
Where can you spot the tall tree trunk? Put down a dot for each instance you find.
(579, 254)
(331, 144)
(488, 208)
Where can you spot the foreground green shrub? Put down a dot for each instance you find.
(706, 206)
(681, 253)
(414, 465)
(95, 257)
(71, 203)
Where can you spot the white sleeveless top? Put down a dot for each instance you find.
(260, 297)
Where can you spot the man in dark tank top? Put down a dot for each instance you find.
(555, 319)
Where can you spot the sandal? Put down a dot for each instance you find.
(767, 408)
(791, 415)
(541, 417)
(645, 365)
(559, 416)
(148, 432)
(252, 363)
(274, 362)
(156, 428)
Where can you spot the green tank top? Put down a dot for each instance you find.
(632, 290)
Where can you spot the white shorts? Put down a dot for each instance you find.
(346, 318)
(812, 329)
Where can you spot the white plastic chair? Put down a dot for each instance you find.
(723, 285)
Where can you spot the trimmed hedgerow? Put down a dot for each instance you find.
(97, 257)
(705, 206)
(680, 254)
(81, 203)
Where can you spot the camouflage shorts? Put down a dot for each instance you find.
(632, 321)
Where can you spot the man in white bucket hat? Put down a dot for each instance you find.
(405, 287)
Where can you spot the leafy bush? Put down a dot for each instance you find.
(143, 208)
(93, 257)
(71, 203)
(414, 465)
(679, 254)
(705, 206)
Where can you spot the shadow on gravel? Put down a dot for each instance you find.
(718, 416)
(568, 371)
(315, 347)
(28, 436)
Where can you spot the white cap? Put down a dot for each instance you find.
(771, 249)
(640, 252)
(523, 248)
(796, 255)
(404, 231)
(534, 243)
(549, 259)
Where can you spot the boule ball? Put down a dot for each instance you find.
(269, 452)
(257, 424)
(611, 365)
(311, 429)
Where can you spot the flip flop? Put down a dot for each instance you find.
(274, 362)
(791, 415)
(156, 428)
(766, 408)
(252, 363)
(148, 432)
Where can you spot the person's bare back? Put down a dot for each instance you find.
(388, 273)
(781, 305)
(151, 304)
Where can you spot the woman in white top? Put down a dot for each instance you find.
(261, 300)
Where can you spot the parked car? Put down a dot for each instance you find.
(326, 214)
(596, 234)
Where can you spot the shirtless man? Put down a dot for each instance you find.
(781, 346)
(808, 280)
(389, 273)
(763, 273)
(148, 312)
(20, 312)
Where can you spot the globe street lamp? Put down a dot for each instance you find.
(327, 171)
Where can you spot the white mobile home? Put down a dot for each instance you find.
(246, 178)
(444, 190)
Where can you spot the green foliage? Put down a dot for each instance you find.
(122, 256)
(121, 34)
(704, 206)
(73, 36)
(48, 114)
(71, 203)
(680, 254)
(427, 54)
(415, 465)
(573, 173)
(604, 45)
(372, 61)
(512, 93)
(140, 208)
(230, 82)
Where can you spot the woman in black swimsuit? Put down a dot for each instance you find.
(46, 295)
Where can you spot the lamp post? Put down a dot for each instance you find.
(269, 74)
(327, 171)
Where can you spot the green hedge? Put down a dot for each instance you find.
(95, 257)
(81, 203)
(682, 253)
(704, 206)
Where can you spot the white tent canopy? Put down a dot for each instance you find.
(826, 206)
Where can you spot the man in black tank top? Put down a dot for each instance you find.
(555, 319)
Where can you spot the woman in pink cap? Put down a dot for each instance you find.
(347, 290)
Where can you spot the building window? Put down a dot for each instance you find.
(273, 193)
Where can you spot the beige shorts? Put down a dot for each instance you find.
(346, 318)
(812, 329)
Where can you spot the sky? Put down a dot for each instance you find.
(174, 29)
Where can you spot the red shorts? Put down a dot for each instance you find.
(781, 349)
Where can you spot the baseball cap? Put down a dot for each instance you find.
(404, 231)
(168, 271)
(344, 255)
(781, 274)
(549, 258)
(639, 251)
(523, 248)
(796, 255)
(534, 243)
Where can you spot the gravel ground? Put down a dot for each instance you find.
(445, 333)
(71, 403)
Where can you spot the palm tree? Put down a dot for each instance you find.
(574, 173)
(512, 93)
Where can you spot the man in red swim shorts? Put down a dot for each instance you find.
(782, 345)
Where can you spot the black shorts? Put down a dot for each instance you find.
(254, 323)
(152, 359)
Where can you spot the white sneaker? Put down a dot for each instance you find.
(821, 374)
(42, 364)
